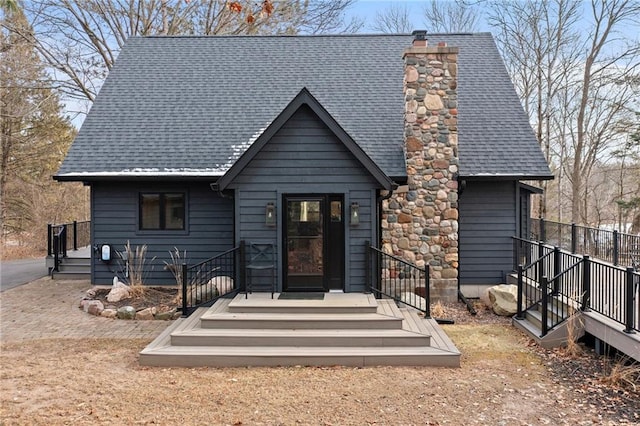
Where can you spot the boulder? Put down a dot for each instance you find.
(165, 316)
(119, 291)
(222, 283)
(145, 314)
(126, 312)
(414, 299)
(117, 294)
(503, 299)
(94, 307)
(108, 313)
(203, 293)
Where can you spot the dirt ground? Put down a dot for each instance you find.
(504, 380)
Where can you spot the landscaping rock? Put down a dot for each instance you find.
(222, 283)
(503, 299)
(118, 294)
(95, 307)
(146, 314)
(91, 306)
(109, 313)
(126, 312)
(415, 300)
(202, 293)
(165, 316)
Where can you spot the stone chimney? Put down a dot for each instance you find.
(420, 220)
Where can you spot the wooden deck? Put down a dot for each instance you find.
(605, 329)
(77, 265)
(343, 329)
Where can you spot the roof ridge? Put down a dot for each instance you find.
(191, 36)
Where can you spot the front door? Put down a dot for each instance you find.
(314, 242)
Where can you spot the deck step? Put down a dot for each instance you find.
(299, 321)
(335, 303)
(217, 337)
(299, 337)
(72, 268)
(200, 356)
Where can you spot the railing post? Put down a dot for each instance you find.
(183, 273)
(586, 283)
(56, 252)
(63, 236)
(616, 247)
(545, 305)
(75, 235)
(543, 231)
(243, 269)
(629, 314)
(574, 237)
(49, 240)
(556, 270)
(367, 265)
(427, 292)
(540, 262)
(519, 313)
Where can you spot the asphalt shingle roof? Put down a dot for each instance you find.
(192, 105)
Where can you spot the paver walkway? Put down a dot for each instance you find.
(48, 309)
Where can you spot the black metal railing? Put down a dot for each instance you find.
(205, 282)
(611, 246)
(58, 247)
(397, 279)
(561, 283)
(66, 236)
(77, 235)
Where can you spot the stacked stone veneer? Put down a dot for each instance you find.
(420, 220)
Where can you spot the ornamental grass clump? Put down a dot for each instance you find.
(135, 272)
(175, 267)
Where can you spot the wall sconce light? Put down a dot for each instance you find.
(355, 214)
(270, 215)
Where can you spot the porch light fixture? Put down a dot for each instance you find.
(270, 215)
(355, 214)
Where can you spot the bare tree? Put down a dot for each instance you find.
(574, 83)
(446, 16)
(394, 19)
(539, 47)
(80, 40)
(604, 83)
(34, 137)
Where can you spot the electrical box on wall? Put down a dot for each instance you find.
(105, 253)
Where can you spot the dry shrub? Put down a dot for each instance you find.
(438, 310)
(574, 323)
(623, 373)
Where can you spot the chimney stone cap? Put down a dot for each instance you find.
(419, 34)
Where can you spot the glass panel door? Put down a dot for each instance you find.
(305, 244)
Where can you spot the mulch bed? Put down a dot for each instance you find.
(164, 299)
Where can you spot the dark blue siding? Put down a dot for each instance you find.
(114, 210)
(305, 157)
(487, 224)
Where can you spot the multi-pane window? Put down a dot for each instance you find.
(162, 211)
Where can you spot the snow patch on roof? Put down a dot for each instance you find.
(238, 150)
